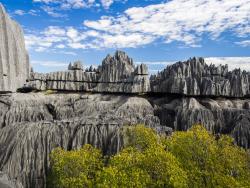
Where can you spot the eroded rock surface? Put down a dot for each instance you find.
(7, 182)
(14, 60)
(196, 78)
(33, 124)
(220, 116)
(117, 74)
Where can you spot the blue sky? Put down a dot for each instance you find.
(150, 31)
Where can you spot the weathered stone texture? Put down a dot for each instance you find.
(14, 60)
(117, 74)
(195, 78)
(31, 125)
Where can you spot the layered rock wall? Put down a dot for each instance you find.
(116, 74)
(195, 78)
(14, 60)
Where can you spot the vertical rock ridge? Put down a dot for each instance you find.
(14, 61)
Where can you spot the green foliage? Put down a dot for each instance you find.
(186, 159)
(210, 162)
(140, 137)
(75, 168)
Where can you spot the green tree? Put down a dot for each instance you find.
(210, 162)
(186, 159)
(76, 168)
(143, 163)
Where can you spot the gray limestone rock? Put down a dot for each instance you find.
(75, 66)
(195, 78)
(32, 125)
(117, 74)
(222, 116)
(14, 60)
(7, 182)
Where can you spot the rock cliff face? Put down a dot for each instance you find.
(14, 60)
(117, 74)
(32, 125)
(195, 78)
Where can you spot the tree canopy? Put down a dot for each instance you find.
(194, 158)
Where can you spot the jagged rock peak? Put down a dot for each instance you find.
(120, 57)
(117, 68)
(194, 77)
(141, 69)
(77, 65)
(14, 60)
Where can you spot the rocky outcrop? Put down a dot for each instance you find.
(117, 74)
(220, 116)
(195, 78)
(14, 60)
(33, 124)
(7, 182)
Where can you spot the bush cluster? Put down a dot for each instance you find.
(194, 158)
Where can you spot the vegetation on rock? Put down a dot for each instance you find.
(195, 158)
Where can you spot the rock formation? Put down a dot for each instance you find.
(33, 124)
(195, 78)
(117, 74)
(7, 182)
(14, 60)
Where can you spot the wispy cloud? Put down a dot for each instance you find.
(19, 12)
(52, 12)
(233, 62)
(244, 43)
(30, 12)
(177, 20)
(75, 4)
(184, 21)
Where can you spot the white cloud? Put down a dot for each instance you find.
(233, 62)
(19, 12)
(244, 43)
(184, 21)
(52, 12)
(60, 46)
(106, 3)
(55, 31)
(22, 12)
(77, 4)
(179, 20)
